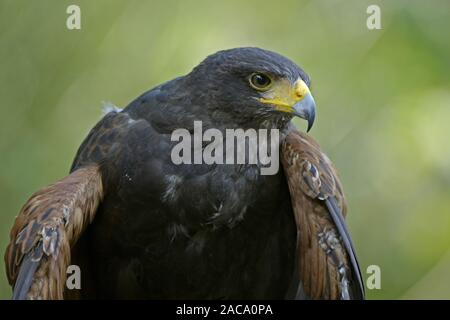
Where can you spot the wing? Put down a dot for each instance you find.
(327, 264)
(54, 218)
(47, 226)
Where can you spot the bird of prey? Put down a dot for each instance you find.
(140, 226)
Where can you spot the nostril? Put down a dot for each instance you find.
(301, 90)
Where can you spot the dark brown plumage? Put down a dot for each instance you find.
(140, 226)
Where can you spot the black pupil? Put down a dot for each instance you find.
(260, 80)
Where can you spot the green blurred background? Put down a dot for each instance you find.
(383, 104)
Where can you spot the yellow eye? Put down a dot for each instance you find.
(260, 81)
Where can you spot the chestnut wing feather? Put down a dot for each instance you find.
(327, 263)
(54, 218)
(48, 225)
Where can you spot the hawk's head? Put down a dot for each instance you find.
(252, 85)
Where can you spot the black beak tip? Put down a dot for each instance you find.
(310, 120)
(306, 109)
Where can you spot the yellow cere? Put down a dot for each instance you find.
(301, 89)
(283, 95)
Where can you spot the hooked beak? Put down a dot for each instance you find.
(295, 99)
(306, 109)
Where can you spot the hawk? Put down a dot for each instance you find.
(140, 226)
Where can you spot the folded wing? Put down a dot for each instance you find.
(46, 228)
(327, 263)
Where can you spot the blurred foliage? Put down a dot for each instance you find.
(383, 99)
